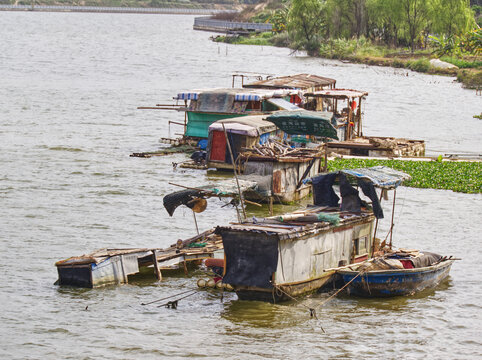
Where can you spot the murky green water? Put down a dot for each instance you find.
(69, 88)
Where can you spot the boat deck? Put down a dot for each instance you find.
(301, 221)
(113, 266)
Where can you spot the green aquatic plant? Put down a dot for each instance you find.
(459, 176)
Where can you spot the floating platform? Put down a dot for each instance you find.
(113, 266)
(378, 147)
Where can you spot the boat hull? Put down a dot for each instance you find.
(388, 283)
(283, 292)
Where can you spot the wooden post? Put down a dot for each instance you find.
(157, 271)
(376, 225)
(325, 167)
(271, 206)
(124, 274)
(185, 265)
(393, 214)
(185, 118)
(360, 130)
(234, 170)
(195, 221)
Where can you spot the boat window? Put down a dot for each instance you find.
(253, 105)
(361, 245)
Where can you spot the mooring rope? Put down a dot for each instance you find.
(173, 303)
(313, 309)
(167, 297)
(342, 288)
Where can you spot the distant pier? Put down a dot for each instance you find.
(214, 25)
(122, 10)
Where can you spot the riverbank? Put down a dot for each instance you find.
(468, 71)
(458, 176)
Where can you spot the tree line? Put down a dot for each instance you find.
(398, 23)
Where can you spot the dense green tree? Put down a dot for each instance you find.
(306, 24)
(346, 18)
(415, 15)
(385, 20)
(452, 17)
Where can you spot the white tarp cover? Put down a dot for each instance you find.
(283, 104)
(239, 94)
(253, 125)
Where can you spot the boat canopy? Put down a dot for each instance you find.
(338, 93)
(304, 122)
(380, 176)
(299, 81)
(253, 125)
(239, 94)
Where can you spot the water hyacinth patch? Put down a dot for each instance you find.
(459, 176)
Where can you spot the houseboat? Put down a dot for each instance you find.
(276, 258)
(244, 132)
(203, 107)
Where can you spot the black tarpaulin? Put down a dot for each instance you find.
(350, 201)
(183, 197)
(369, 191)
(251, 257)
(323, 194)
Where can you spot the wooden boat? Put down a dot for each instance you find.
(395, 282)
(276, 258)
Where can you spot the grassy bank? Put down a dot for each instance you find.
(364, 52)
(458, 176)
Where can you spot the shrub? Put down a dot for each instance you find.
(281, 39)
(398, 63)
(462, 63)
(420, 65)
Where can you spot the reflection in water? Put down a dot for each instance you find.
(262, 314)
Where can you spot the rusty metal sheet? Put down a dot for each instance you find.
(278, 187)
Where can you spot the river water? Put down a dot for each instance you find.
(69, 88)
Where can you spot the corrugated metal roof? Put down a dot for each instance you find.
(381, 176)
(299, 81)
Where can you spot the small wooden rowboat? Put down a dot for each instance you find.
(395, 282)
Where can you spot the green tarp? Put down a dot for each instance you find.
(304, 123)
(198, 123)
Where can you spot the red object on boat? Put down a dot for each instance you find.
(214, 262)
(407, 264)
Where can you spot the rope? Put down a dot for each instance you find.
(167, 297)
(341, 289)
(312, 310)
(173, 304)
